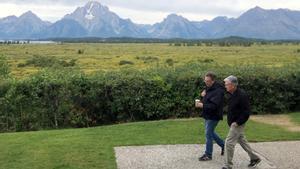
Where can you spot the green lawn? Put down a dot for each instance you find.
(295, 117)
(91, 148)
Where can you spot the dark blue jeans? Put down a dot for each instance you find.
(210, 134)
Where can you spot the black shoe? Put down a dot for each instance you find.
(253, 163)
(205, 158)
(222, 151)
(226, 168)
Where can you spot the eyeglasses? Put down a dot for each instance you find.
(207, 81)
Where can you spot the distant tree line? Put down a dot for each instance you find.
(223, 42)
(227, 41)
(8, 42)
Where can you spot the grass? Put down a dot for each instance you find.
(107, 57)
(295, 117)
(93, 147)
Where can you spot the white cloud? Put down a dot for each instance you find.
(46, 12)
(142, 17)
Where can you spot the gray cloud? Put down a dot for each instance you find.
(176, 6)
(229, 7)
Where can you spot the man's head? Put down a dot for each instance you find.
(209, 79)
(231, 83)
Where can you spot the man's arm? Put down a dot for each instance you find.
(245, 110)
(214, 102)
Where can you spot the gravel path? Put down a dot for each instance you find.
(275, 155)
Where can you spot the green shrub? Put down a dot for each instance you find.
(170, 62)
(44, 61)
(148, 59)
(4, 67)
(64, 97)
(125, 62)
(208, 61)
(80, 51)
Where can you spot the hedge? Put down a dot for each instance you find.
(66, 97)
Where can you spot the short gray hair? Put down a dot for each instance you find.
(232, 79)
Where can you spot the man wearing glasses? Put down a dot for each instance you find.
(212, 105)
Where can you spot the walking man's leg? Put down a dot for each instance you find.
(218, 140)
(231, 140)
(209, 137)
(209, 129)
(254, 159)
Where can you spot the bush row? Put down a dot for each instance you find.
(64, 98)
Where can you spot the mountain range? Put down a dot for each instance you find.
(96, 20)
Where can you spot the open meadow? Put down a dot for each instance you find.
(112, 56)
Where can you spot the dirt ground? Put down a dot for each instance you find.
(279, 120)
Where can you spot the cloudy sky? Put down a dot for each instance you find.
(145, 11)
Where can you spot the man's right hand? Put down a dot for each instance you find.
(199, 105)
